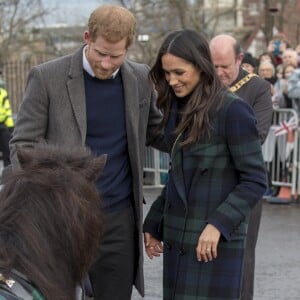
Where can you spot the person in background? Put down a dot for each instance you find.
(99, 98)
(276, 47)
(290, 56)
(249, 63)
(199, 221)
(281, 87)
(288, 70)
(227, 57)
(277, 97)
(293, 87)
(279, 71)
(6, 126)
(267, 56)
(267, 71)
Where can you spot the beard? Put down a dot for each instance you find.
(104, 74)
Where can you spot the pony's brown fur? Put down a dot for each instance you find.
(50, 218)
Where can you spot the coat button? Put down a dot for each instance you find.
(168, 245)
(204, 172)
(182, 251)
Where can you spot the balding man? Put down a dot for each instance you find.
(227, 56)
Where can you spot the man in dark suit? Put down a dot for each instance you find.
(227, 56)
(98, 98)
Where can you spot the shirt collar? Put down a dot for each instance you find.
(87, 67)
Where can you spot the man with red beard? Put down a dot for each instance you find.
(98, 98)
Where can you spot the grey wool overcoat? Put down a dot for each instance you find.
(217, 180)
(54, 110)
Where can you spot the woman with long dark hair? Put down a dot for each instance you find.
(216, 174)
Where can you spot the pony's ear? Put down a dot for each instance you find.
(95, 168)
(24, 155)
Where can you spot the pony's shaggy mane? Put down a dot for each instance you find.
(50, 217)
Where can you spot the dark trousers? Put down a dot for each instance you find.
(249, 259)
(112, 274)
(4, 144)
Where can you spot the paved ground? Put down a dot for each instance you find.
(277, 259)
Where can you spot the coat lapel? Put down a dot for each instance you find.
(177, 166)
(131, 96)
(76, 89)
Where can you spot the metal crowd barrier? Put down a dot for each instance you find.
(281, 155)
(155, 167)
(280, 151)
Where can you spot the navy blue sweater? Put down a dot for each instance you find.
(106, 133)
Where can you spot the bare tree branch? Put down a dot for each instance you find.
(18, 18)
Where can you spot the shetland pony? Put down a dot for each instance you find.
(50, 222)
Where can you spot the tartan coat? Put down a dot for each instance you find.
(227, 179)
(53, 110)
(20, 287)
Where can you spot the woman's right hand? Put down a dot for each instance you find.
(153, 246)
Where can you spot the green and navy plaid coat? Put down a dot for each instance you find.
(18, 287)
(226, 179)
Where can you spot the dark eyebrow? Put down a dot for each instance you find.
(174, 70)
(222, 66)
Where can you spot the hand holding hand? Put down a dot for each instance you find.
(153, 246)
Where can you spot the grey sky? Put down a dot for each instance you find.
(70, 12)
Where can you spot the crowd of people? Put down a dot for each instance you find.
(280, 65)
(207, 103)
